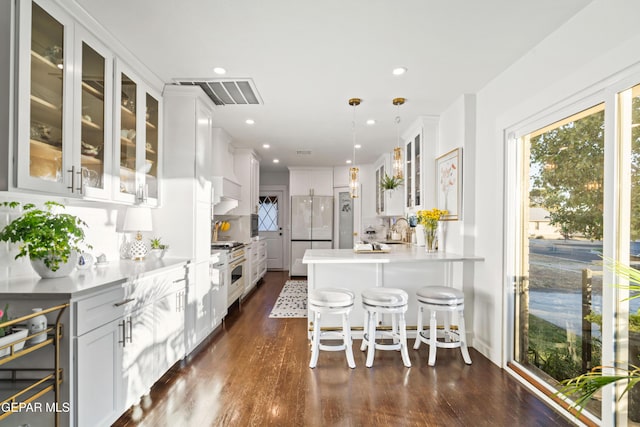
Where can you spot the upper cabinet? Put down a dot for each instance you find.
(310, 181)
(247, 169)
(79, 132)
(45, 93)
(136, 154)
(388, 202)
(413, 169)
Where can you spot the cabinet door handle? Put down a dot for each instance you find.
(72, 171)
(130, 337)
(124, 334)
(127, 301)
(80, 175)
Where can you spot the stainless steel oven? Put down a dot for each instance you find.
(237, 270)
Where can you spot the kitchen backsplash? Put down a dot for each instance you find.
(103, 232)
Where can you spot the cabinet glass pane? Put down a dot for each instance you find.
(93, 118)
(409, 173)
(381, 190)
(417, 178)
(47, 64)
(127, 135)
(151, 147)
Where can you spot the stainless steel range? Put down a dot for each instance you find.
(236, 262)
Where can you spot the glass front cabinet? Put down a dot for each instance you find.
(138, 111)
(413, 170)
(71, 139)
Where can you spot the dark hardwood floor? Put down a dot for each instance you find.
(255, 372)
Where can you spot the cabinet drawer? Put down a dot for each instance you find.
(100, 309)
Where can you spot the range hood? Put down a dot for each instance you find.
(226, 194)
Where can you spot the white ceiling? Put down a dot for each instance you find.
(308, 58)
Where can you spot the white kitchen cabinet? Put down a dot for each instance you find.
(169, 314)
(413, 169)
(138, 163)
(98, 373)
(310, 181)
(199, 312)
(188, 115)
(262, 258)
(247, 169)
(388, 202)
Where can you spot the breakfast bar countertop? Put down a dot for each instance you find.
(397, 254)
(82, 282)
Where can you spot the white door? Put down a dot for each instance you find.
(270, 219)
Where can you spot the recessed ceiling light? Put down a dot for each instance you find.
(265, 146)
(249, 121)
(399, 71)
(276, 161)
(358, 146)
(219, 70)
(348, 162)
(371, 122)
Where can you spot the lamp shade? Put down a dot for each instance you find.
(137, 219)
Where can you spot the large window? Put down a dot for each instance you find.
(560, 274)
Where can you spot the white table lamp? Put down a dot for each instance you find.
(137, 219)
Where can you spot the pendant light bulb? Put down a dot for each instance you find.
(397, 165)
(353, 171)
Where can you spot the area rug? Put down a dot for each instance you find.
(292, 301)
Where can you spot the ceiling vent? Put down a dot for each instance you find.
(227, 91)
(303, 152)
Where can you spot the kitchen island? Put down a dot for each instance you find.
(407, 267)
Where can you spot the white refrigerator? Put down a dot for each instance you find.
(311, 228)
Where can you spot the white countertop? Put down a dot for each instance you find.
(85, 281)
(398, 254)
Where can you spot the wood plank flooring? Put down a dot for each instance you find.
(255, 372)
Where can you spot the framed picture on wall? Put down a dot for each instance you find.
(449, 184)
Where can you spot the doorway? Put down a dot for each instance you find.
(346, 219)
(271, 217)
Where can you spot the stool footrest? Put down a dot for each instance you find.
(327, 347)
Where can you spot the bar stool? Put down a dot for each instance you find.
(331, 301)
(376, 301)
(441, 299)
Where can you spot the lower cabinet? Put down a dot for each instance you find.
(139, 335)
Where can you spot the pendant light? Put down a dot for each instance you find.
(353, 170)
(397, 152)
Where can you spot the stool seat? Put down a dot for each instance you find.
(332, 301)
(445, 300)
(331, 297)
(383, 301)
(385, 297)
(443, 295)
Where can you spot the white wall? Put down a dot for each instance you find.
(598, 43)
(274, 178)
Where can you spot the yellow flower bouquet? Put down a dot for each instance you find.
(429, 220)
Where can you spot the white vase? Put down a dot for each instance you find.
(17, 334)
(64, 269)
(37, 324)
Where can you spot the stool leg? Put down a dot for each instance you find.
(395, 332)
(416, 345)
(447, 326)
(433, 338)
(363, 346)
(403, 341)
(373, 320)
(463, 339)
(346, 333)
(315, 340)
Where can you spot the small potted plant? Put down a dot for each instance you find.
(390, 182)
(51, 239)
(158, 249)
(9, 334)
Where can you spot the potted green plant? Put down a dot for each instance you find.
(390, 182)
(158, 249)
(51, 239)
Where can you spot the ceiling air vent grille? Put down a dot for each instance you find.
(227, 91)
(303, 152)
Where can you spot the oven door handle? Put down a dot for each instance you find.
(237, 263)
